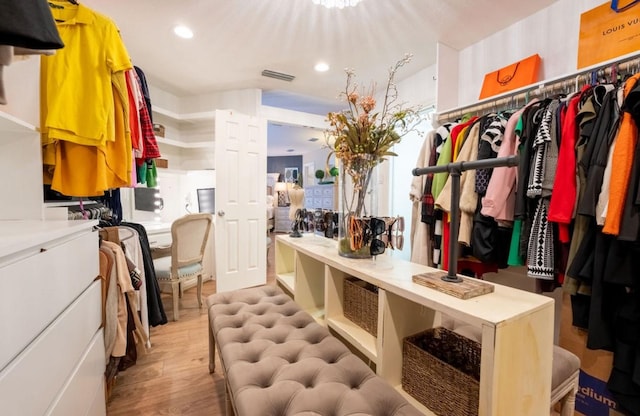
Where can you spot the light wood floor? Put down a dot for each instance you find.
(173, 377)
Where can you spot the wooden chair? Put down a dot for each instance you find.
(189, 236)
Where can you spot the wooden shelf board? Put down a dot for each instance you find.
(288, 280)
(424, 410)
(356, 336)
(186, 145)
(9, 123)
(197, 116)
(318, 314)
(395, 276)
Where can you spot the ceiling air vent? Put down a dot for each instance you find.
(277, 75)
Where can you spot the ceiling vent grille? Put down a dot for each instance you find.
(277, 75)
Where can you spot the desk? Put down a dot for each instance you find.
(517, 326)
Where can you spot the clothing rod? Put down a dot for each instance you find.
(565, 82)
(455, 169)
(470, 165)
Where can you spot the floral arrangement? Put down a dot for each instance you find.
(361, 137)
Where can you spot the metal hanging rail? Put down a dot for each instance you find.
(455, 169)
(563, 84)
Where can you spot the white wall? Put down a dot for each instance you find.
(22, 89)
(177, 189)
(319, 159)
(246, 101)
(394, 178)
(552, 33)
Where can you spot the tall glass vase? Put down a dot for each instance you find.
(357, 193)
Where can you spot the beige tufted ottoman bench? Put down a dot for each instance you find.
(277, 360)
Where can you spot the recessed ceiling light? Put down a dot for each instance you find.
(183, 31)
(313, 139)
(291, 150)
(321, 67)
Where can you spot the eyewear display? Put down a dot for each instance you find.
(377, 226)
(394, 237)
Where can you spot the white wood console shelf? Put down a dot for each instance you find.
(517, 326)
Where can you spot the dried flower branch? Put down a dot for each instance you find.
(361, 130)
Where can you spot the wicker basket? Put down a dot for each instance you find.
(361, 304)
(441, 370)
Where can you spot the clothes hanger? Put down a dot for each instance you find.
(128, 233)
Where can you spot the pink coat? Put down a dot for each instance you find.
(499, 201)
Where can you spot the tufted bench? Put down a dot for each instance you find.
(278, 361)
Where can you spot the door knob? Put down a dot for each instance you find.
(221, 213)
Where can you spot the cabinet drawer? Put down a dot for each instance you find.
(327, 192)
(79, 392)
(327, 203)
(317, 192)
(317, 202)
(36, 289)
(308, 203)
(29, 384)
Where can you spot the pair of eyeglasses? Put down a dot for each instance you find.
(318, 220)
(394, 237)
(301, 219)
(356, 233)
(331, 224)
(377, 227)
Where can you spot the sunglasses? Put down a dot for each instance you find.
(331, 224)
(318, 221)
(377, 227)
(356, 233)
(394, 237)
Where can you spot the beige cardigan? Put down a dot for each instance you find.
(420, 241)
(468, 195)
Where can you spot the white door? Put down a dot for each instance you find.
(241, 189)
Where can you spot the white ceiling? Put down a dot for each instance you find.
(236, 39)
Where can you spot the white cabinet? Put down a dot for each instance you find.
(320, 197)
(283, 223)
(517, 326)
(51, 345)
(52, 357)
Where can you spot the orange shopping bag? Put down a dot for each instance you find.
(607, 32)
(517, 75)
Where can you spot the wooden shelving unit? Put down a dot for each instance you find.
(517, 326)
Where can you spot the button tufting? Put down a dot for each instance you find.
(309, 363)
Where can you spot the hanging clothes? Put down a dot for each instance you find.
(420, 231)
(499, 199)
(156, 312)
(622, 161)
(74, 75)
(468, 197)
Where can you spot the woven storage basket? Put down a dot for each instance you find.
(361, 304)
(441, 369)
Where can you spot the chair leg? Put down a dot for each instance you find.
(568, 404)
(175, 290)
(199, 291)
